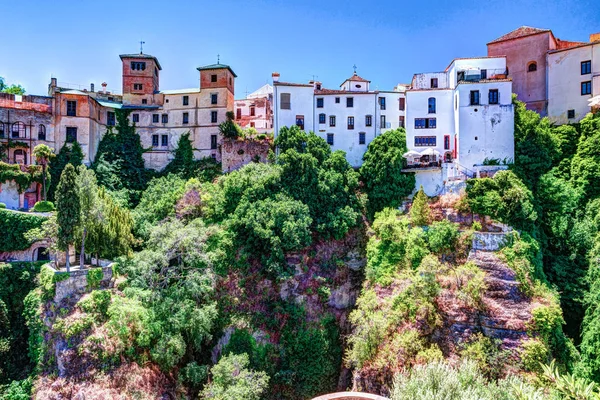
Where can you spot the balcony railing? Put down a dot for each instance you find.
(477, 75)
(423, 165)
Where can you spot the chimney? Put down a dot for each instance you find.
(53, 82)
(91, 87)
(104, 84)
(595, 37)
(275, 76)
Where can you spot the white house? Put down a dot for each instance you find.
(256, 110)
(348, 118)
(573, 81)
(458, 118)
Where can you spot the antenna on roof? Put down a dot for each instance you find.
(354, 66)
(315, 77)
(142, 43)
(218, 59)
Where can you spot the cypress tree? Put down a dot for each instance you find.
(420, 212)
(68, 210)
(68, 154)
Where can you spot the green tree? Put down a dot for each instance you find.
(68, 210)
(89, 205)
(43, 154)
(183, 163)
(420, 212)
(68, 154)
(385, 184)
(231, 379)
(229, 129)
(12, 89)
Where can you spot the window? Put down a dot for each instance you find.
(401, 121)
(285, 102)
(137, 86)
(368, 120)
(571, 114)
(238, 113)
(332, 120)
(42, 132)
(320, 102)
(350, 102)
(362, 138)
(382, 124)
(71, 134)
(330, 139)
(186, 118)
(322, 118)
(337, 100)
(252, 125)
(431, 105)
(532, 67)
(213, 98)
(138, 66)
(155, 118)
(213, 117)
(213, 142)
(110, 118)
(144, 101)
(493, 96)
(382, 103)
(300, 121)
(484, 74)
(18, 130)
(425, 123)
(213, 78)
(2, 130)
(155, 140)
(252, 111)
(71, 108)
(135, 117)
(474, 97)
(165, 118)
(434, 83)
(350, 122)
(20, 157)
(186, 100)
(586, 88)
(425, 141)
(586, 67)
(164, 140)
(446, 142)
(401, 103)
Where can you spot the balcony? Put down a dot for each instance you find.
(478, 75)
(422, 166)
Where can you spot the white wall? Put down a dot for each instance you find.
(9, 194)
(564, 82)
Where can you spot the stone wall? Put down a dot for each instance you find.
(77, 283)
(489, 241)
(237, 153)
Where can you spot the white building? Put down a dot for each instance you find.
(256, 110)
(458, 118)
(573, 81)
(348, 118)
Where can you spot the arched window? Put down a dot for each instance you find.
(18, 130)
(532, 67)
(322, 118)
(431, 103)
(42, 132)
(2, 130)
(20, 156)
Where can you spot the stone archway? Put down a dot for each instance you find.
(41, 254)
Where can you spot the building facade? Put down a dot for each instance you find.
(348, 118)
(556, 78)
(76, 114)
(256, 110)
(457, 119)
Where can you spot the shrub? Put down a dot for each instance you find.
(70, 327)
(534, 354)
(130, 323)
(2, 205)
(97, 302)
(420, 212)
(231, 379)
(13, 226)
(168, 351)
(471, 284)
(44, 206)
(486, 352)
(94, 277)
(193, 375)
(476, 226)
(442, 236)
(48, 279)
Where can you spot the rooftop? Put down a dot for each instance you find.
(355, 78)
(181, 91)
(519, 33)
(217, 66)
(141, 55)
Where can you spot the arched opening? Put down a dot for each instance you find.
(42, 132)
(20, 157)
(431, 104)
(532, 66)
(2, 130)
(18, 130)
(448, 157)
(42, 254)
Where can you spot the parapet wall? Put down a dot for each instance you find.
(237, 153)
(77, 282)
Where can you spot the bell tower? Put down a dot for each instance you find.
(140, 78)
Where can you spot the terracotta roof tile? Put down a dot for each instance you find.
(333, 91)
(520, 32)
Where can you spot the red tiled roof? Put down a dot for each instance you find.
(520, 32)
(333, 91)
(565, 44)
(355, 78)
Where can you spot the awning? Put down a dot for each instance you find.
(430, 152)
(594, 101)
(411, 153)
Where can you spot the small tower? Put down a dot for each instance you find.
(140, 78)
(217, 76)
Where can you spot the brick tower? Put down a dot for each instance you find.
(140, 78)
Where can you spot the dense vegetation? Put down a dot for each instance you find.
(281, 279)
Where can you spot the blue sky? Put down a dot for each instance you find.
(79, 42)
